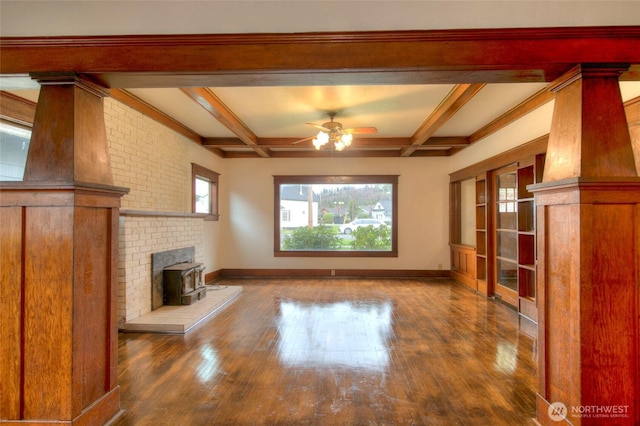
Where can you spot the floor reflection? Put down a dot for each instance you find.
(506, 357)
(341, 334)
(209, 366)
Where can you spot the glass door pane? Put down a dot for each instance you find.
(506, 209)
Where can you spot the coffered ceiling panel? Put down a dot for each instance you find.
(491, 102)
(178, 106)
(272, 112)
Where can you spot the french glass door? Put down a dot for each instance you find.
(506, 220)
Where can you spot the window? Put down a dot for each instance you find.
(14, 146)
(205, 191)
(340, 216)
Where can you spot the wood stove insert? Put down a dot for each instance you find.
(183, 283)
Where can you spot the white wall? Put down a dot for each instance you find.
(423, 204)
(505, 139)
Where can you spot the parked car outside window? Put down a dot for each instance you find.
(347, 228)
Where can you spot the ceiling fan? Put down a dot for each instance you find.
(332, 131)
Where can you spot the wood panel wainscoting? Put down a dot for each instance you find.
(463, 265)
(59, 255)
(336, 352)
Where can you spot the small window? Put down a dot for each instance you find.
(205, 191)
(14, 146)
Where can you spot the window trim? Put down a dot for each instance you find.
(213, 178)
(335, 179)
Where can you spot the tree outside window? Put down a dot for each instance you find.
(340, 216)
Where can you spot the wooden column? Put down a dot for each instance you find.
(59, 242)
(588, 236)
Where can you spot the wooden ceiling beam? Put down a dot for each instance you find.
(222, 142)
(456, 99)
(358, 142)
(16, 110)
(488, 55)
(431, 153)
(214, 106)
(447, 141)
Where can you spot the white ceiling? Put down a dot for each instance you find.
(93, 17)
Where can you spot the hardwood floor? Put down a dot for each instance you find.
(336, 352)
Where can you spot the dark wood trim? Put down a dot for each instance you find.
(446, 141)
(213, 276)
(529, 149)
(475, 55)
(214, 106)
(150, 111)
(335, 179)
(333, 273)
(17, 110)
(358, 142)
(455, 213)
(214, 188)
(456, 99)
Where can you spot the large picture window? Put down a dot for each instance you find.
(336, 215)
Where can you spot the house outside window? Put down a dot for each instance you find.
(338, 216)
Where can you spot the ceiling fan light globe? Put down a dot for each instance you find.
(322, 137)
(339, 145)
(317, 144)
(346, 139)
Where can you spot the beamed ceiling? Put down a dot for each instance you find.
(428, 93)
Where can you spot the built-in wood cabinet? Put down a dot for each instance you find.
(528, 173)
(515, 235)
(505, 234)
(481, 234)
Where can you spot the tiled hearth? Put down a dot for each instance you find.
(180, 319)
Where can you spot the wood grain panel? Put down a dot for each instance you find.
(608, 306)
(112, 321)
(92, 291)
(562, 315)
(48, 313)
(10, 311)
(50, 154)
(463, 266)
(588, 254)
(589, 133)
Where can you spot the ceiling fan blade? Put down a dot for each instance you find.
(318, 126)
(361, 130)
(302, 140)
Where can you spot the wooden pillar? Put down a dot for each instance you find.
(588, 236)
(58, 257)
